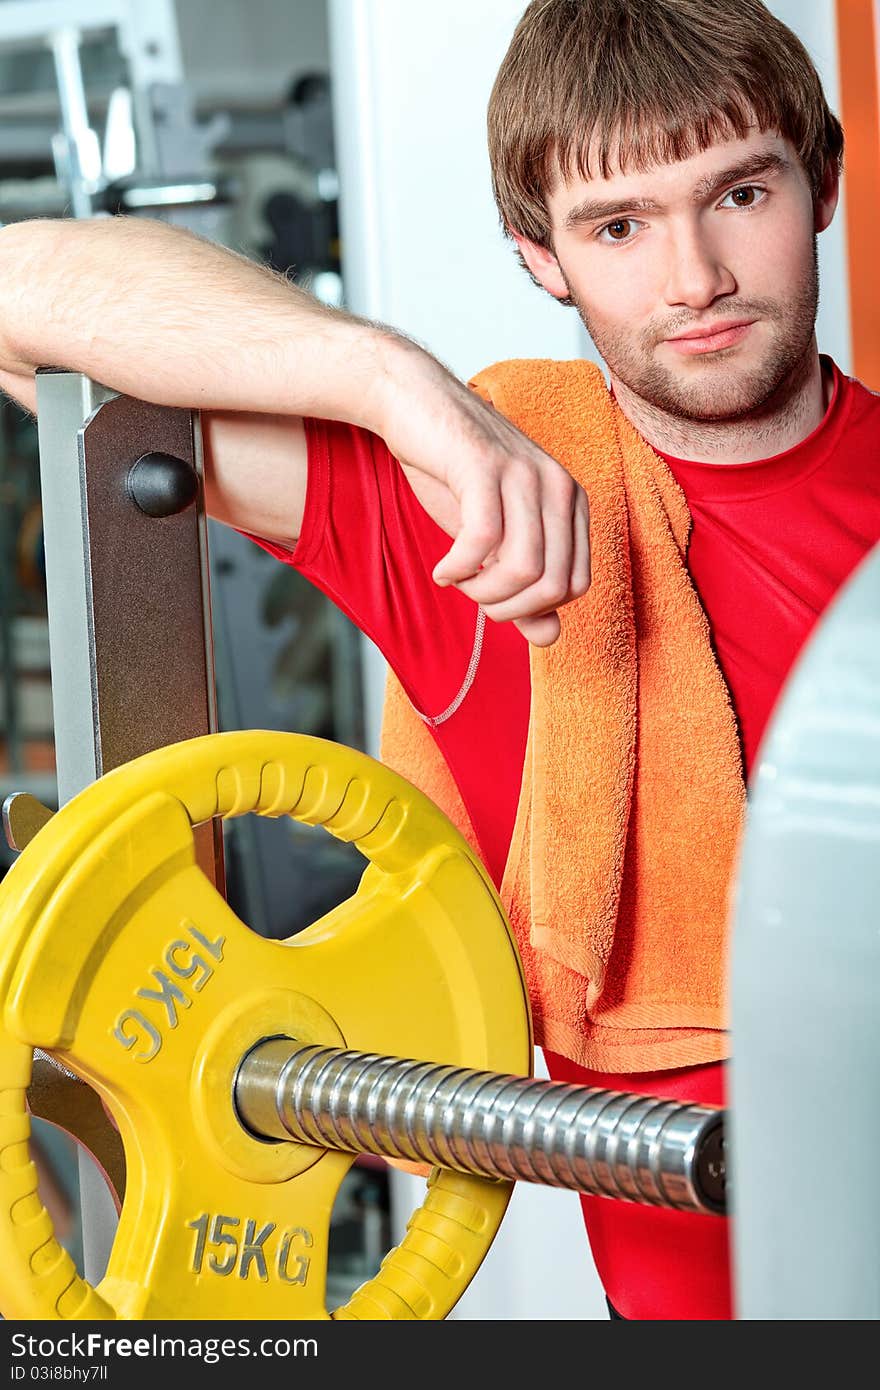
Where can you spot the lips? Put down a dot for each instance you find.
(714, 339)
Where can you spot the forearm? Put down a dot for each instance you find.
(158, 313)
(162, 315)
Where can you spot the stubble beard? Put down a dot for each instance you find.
(719, 391)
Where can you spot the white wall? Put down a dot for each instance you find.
(814, 23)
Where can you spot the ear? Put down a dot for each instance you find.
(543, 265)
(825, 201)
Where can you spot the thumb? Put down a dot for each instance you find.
(541, 630)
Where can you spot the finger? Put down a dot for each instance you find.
(480, 533)
(541, 630)
(518, 562)
(522, 577)
(580, 565)
(552, 587)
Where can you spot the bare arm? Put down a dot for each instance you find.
(166, 316)
(169, 317)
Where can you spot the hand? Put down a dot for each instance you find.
(519, 521)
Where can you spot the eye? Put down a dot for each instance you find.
(746, 196)
(621, 229)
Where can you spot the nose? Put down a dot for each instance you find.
(697, 273)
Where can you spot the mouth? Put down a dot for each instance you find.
(714, 339)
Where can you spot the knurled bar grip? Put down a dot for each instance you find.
(615, 1144)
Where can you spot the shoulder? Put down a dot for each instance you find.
(538, 393)
(566, 408)
(863, 396)
(868, 397)
(530, 371)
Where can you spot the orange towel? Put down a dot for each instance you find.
(620, 868)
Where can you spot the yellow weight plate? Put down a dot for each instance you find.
(119, 956)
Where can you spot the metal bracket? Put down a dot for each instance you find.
(23, 817)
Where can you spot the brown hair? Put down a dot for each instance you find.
(640, 82)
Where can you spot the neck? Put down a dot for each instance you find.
(783, 421)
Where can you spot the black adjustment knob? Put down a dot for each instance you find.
(162, 485)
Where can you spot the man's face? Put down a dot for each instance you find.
(696, 280)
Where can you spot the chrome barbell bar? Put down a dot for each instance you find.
(615, 1144)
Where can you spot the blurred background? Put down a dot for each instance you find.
(343, 143)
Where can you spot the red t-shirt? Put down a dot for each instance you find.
(770, 545)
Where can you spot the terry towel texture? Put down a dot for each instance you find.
(622, 860)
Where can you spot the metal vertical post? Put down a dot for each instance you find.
(11, 731)
(76, 148)
(129, 613)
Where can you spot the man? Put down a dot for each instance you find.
(665, 166)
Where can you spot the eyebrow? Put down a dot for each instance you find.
(754, 167)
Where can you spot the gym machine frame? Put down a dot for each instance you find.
(130, 649)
